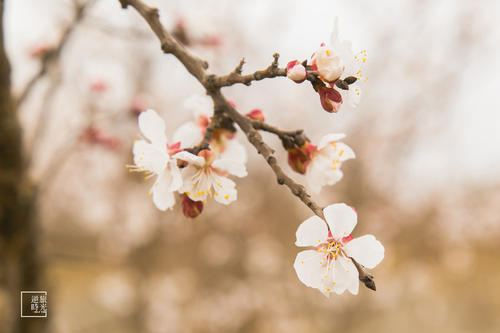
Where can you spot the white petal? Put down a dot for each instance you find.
(190, 158)
(332, 137)
(344, 152)
(224, 190)
(354, 95)
(311, 232)
(309, 266)
(188, 185)
(152, 128)
(233, 167)
(199, 105)
(341, 218)
(175, 174)
(346, 276)
(188, 134)
(366, 250)
(234, 151)
(321, 172)
(149, 157)
(163, 197)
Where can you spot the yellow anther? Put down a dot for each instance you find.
(188, 193)
(149, 193)
(226, 196)
(341, 152)
(302, 262)
(327, 52)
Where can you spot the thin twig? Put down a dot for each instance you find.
(53, 55)
(213, 83)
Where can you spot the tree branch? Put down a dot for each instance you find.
(213, 83)
(197, 68)
(235, 76)
(53, 55)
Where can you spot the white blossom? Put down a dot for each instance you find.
(326, 160)
(206, 176)
(152, 156)
(336, 60)
(353, 66)
(328, 266)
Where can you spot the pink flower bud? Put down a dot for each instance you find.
(331, 100)
(296, 71)
(98, 86)
(256, 114)
(208, 155)
(191, 208)
(299, 158)
(38, 51)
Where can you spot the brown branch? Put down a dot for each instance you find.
(197, 68)
(213, 83)
(193, 64)
(364, 277)
(267, 152)
(52, 56)
(290, 139)
(235, 76)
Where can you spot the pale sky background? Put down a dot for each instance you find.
(463, 148)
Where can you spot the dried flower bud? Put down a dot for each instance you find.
(191, 208)
(331, 100)
(296, 71)
(299, 158)
(256, 114)
(350, 79)
(342, 84)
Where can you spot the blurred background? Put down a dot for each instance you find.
(426, 179)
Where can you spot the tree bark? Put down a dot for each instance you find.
(19, 264)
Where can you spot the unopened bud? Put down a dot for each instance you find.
(299, 158)
(331, 100)
(191, 208)
(208, 155)
(296, 71)
(256, 114)
(98, 86)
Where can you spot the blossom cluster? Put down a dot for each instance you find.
(199, 172)
(340, 72)
(197, 177)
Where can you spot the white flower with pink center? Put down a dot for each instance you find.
(328, 265)
(336, 60)
(153, 157)
(206, 177)
(326, 160)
